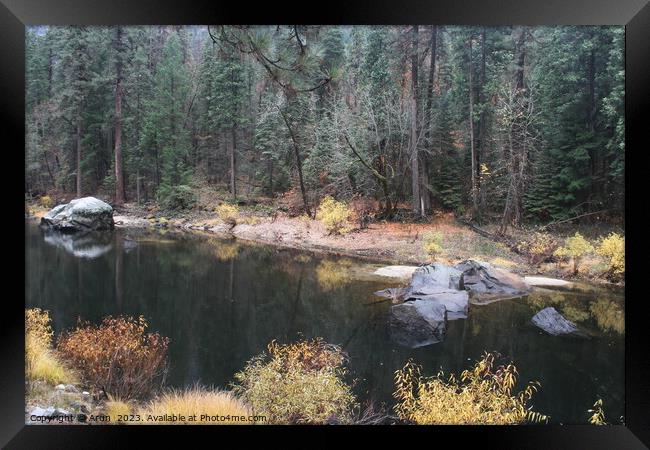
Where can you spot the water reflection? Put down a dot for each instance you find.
(608, 315)
(82, 245)
(333, 274)
(587, 308)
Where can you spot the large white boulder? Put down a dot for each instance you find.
(81, 214)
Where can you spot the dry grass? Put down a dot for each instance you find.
(115, 407)
(483, 396)
(42, 362)
(209, 407)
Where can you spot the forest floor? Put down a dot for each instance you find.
(390, 242)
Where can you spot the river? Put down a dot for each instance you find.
(222, 301)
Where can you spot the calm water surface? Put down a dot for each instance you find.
(221, 302)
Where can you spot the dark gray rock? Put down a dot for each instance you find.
(426, 280)
(434, 278)
(551, 321)
(81, 214)
(455, 302)
(486, 283)
(438, 293)
(418, 323)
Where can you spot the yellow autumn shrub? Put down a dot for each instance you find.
(612, 248)
(228, 213)
(597, 414)
(432, 243)
(575, 247)
(537, 247)
(298, 383)
(46, 201)
(482, 396)
(334, 215)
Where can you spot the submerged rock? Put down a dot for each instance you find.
(551, 321)
(81, 214)
(418, 323)
(486, 283)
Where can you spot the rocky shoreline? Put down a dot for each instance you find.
(382, 244)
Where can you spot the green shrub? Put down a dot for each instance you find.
(334, 215)
(298, 383)
(176, 197)
(612, 248)
(575, 247)
(482, 396)
(432, 243)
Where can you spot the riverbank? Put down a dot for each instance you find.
(393, 243)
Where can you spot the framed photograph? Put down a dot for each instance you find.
(378, 219)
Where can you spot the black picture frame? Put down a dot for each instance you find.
(634, 14)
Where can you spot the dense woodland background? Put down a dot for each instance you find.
(506, 125)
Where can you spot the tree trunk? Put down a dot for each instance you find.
(270, 166)
(517, 159)
(428, 195)
(415, 172)
(137, 184)
(233, 168)
(119, 179)
(482, 126)
(471, 135)
(591, 119)
(296, 151)
(79, 151)
(50, 65)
